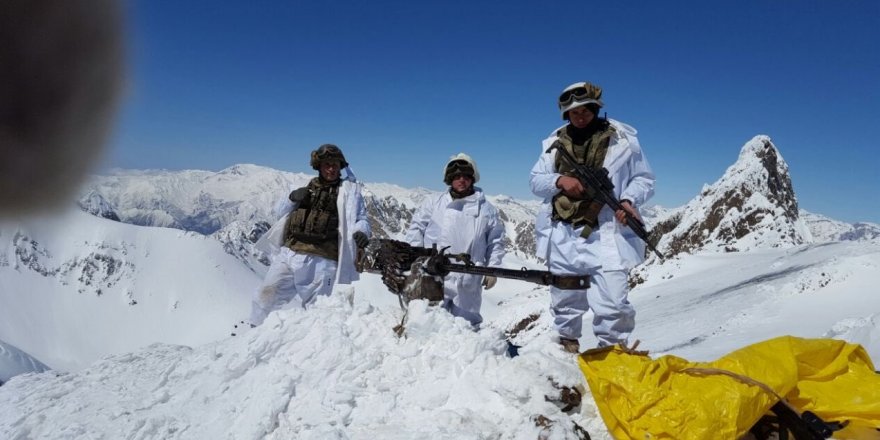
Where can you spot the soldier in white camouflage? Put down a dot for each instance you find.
(324, 224)
(465, 221)
(576, 234)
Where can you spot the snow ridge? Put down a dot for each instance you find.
(71, 284)
(14, 362)
(442, 380)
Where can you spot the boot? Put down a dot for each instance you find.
(570, 345)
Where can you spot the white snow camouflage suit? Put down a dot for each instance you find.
(302, 276)
(471, 225)
(607, 255)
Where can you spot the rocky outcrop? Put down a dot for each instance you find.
(753, 205)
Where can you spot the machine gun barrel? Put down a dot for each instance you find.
(393, 258)
(541, 277)
(440, 265)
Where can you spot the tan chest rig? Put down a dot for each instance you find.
(313, 227)
(583, 211)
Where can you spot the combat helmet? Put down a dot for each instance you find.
(580, 94)
(327, 152)
(460, 164)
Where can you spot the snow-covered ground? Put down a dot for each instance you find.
(136, 321)
(707, 305)
(75, 288)
(337, 370)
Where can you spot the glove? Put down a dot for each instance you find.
(489, 281)
(360, 239)
(299, 194)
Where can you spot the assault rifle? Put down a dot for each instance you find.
(391, 258)
(599, 181)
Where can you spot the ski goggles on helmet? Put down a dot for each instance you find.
(328, 152)
(458, 168)
(585, 94)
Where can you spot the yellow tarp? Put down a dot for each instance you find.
(642, 398)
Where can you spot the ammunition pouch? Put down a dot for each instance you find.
(315, 220)
(314, 238)
(577, 213)
(583, 211)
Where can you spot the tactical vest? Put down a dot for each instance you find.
(583, 211)
(313, 227)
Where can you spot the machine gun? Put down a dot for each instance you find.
(599, 181)
(392, 259)
(441, 264)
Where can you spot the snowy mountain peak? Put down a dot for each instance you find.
(242, 169)
(13, 362)
(759, 156)
(94, 203)
(753, 205)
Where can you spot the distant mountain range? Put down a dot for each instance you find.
(235, 205)
(825, 229)
(753, 205)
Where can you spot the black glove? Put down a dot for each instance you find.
(361, 239)
(299, 195)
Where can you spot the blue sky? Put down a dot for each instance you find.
(401, 86)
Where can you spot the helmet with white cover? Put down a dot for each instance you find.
(460, 164)
(580, 94)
